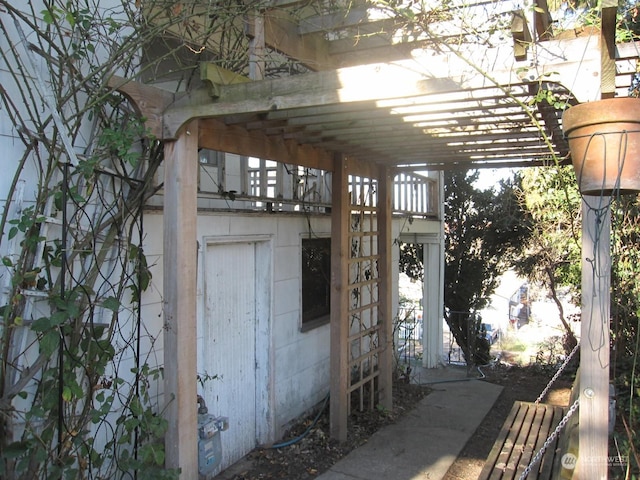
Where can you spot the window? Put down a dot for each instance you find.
(212, 158)
(316, 282)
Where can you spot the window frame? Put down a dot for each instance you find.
(310, 321)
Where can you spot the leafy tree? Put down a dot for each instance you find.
(411, 260)
(552, 254)
(625, 322)
(483, 232)
(552, 257)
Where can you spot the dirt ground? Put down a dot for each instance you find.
(316, 452)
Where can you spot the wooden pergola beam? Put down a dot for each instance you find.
(542, 20)
(215, 135)
(367, 85)
(608, 48)
(281, 34)
(151, 102)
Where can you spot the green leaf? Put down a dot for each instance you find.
(58, 318)
(66, 394)
(13, 231)
(49, 342)
(71, 18)
(15, 449)
(6, 261)
(111, 303)
(42, 324)
(135, 407)
(47, 17)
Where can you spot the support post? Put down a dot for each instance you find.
(608, 49)
(385, 315)
(180, 254)
(432, 305)
(594, 339)
(340, 210)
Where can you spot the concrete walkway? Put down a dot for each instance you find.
(427, 440)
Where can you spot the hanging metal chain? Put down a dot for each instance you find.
(557, 374)
(549, 440)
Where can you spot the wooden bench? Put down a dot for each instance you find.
(523, 433)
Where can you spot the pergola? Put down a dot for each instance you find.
(376, 108)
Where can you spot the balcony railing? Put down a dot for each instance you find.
(232, 182)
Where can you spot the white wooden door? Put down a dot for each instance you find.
(229, 344)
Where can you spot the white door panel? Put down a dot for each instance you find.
(229, 344)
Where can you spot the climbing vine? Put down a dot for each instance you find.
(79, 370)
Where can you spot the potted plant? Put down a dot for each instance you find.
(604, 140)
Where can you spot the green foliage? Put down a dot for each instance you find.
(484, 230)
(551, 256)
(411, 260)
(625, 313)
(68, 407)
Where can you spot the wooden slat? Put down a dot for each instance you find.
(523, 433)
(548, 461)
(520, 439)
(496, 460)
(540, 418)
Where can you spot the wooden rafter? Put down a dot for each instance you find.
(403, 113)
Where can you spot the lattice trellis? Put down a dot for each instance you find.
(364, 302)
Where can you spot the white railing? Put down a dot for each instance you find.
(415, 194)
(256, 184)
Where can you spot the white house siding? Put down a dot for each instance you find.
(298, 363)
(298, 370)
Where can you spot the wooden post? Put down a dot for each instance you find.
(594, 339)
(385, 187)
(340, 210)
(256, 46)
(596, 283)
(608, 49)
(180, 254)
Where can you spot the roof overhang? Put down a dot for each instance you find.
(428, 112)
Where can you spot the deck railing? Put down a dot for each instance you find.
(234, 182)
